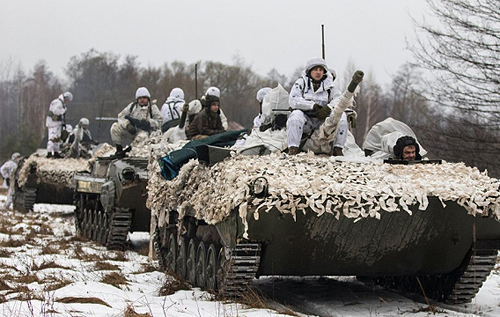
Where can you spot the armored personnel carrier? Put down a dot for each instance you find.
(111, 200)
(423, 228)
(41, 180)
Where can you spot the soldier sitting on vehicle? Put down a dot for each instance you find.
(140, 117)
(208, 121)
(80, 140)
(312, 99)
(325, 138)
(172, 108)
(257, 121)
(268, 133)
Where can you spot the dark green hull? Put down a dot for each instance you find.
(434, 241)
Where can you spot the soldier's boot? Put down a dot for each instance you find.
(293, 150)
(337, 151)
(120, 153)
(57, 155)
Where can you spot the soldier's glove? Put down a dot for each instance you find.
(321, 112)
(7, 181)
(144, 125)
(133, 121)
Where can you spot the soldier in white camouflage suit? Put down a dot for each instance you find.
(6, 170)
(55, 123)
(312, 99)
(139, 117)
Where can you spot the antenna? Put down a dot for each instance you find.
(323, 40)
(195, 81)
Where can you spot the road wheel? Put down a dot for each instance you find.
(211, 268)
(191, 262)
(201, 265)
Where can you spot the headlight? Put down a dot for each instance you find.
(128, 174)
(258, 187)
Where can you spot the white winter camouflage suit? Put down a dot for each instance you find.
(303, 97)
(122, 129)
(7, 171)
(54, 126)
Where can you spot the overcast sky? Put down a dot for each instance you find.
(265, 34)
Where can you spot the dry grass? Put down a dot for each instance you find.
(148, 267)
(114, 279)
(4, 286)
(82, 300)
(47, 265)
(56, 285)
(50, 249)
(105, 266)
(172, 285)
(45, 229)
(27, 279)
(130, 312)
(4, 253)
(13, 243)
(118, 256)
(252, 298)
(8, 227)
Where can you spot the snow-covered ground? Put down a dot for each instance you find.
(46, 271)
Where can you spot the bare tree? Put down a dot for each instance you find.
(462, 54)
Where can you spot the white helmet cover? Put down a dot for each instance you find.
(142, 92)
(68, 95)
(84, 121)
(15, 156)
(177, 93)
(317, 61)
(261, 93)
(213, 91)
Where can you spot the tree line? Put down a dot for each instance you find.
(449, 95)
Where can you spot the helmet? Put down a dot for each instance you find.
(261, 93)
(142, 92)
(213, 91)
(177, 93)
(403, 142)
(83, 121)
(317, 61)
(15, 156)
(68, 95)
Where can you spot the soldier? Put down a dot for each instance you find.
(172, 109)
(80, 140)
(55, 123)
(138, 117)
(208, 121)
(257, 121)
(6, 170)
(312, 99)
(407, 149)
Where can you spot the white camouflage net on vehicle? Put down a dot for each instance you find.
(321, 184)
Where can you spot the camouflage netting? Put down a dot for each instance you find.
(153, 146)
(52, 171)
(321, 184)
(57, 171)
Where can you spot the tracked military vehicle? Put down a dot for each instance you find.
(111, 200)
(41, 180)
(429, 228)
